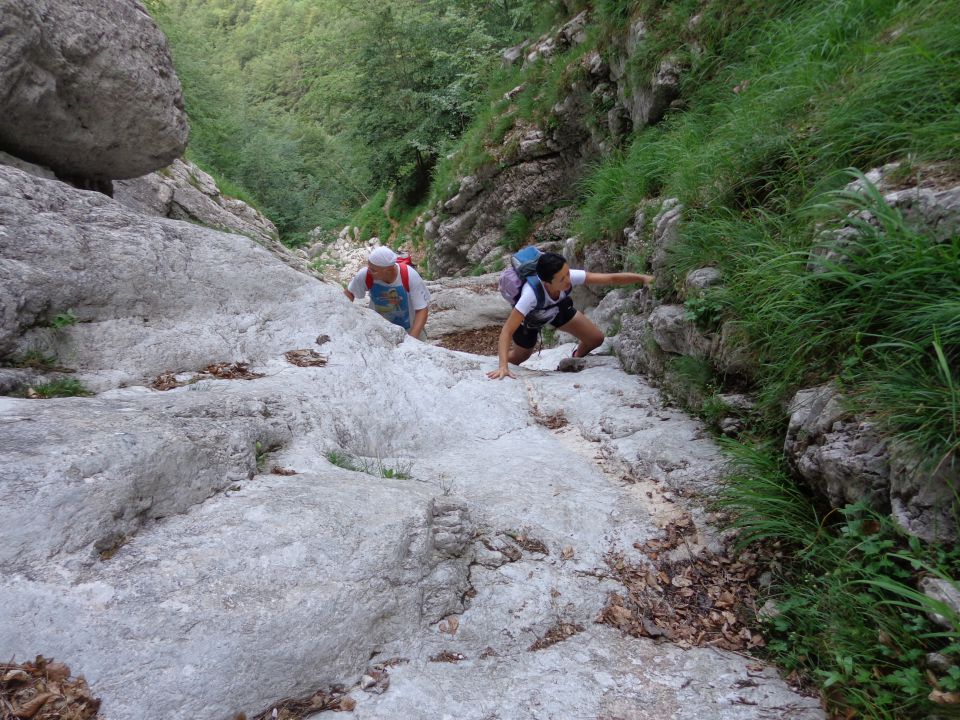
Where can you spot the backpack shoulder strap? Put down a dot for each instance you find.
(534, 282)
(404, 277)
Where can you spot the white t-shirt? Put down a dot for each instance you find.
(390, 299)
(528, 300)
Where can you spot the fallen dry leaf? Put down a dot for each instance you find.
(450, 625)
(944, 698)
(305, 357)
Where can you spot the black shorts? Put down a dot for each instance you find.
(526, 335)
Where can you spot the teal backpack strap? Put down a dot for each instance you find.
(538, 290)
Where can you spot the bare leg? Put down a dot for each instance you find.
(582, 328)
(518, 354)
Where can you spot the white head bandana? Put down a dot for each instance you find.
(382, 257)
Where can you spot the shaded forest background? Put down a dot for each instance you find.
(304, 108)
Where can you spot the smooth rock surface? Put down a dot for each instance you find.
(156, 542)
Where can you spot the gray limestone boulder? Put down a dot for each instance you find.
(701, 279)
(664, 237)
(845, 458)
(182, 191)
(637, 349)
(923, 495)
(88, 89)
(930, 203)
(57, 258)
(468, 303)
(676, 334)
(842, 458)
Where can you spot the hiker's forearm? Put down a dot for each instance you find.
(503, 346)
(623, 278)
(348, 294)
(419, 322)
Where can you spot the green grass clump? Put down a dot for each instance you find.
(34, 358)
(66, 387)
(371, 219)
(371, 466)
(848, 617)
(516, 231)
(63, 320)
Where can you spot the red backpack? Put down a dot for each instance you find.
(404, 263)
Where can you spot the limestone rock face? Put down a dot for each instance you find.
(468, 303)
(539, 175)
(845, 459)
(182, 191)
(57, 257)
(536, 169)
(210, 549)
(88, 89)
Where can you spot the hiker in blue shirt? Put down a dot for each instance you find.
(397, 291)
(555, 306)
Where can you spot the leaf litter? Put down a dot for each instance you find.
(705, 601)
(375, 680)
(43, 689)
(215, 371)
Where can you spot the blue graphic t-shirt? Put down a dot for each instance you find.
(391, 302)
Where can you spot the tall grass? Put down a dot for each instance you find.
(784, 100)
(847, 617)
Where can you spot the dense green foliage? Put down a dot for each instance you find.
(307, 107)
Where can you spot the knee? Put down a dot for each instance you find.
(518, 354)
(594, 338)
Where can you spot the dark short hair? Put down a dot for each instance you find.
(549, 264)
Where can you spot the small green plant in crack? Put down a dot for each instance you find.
(704, 310)
(34, 358)
(65, 387)
(549, 335)
(62, 320)
(341, 460)
(378, 468)
(260, 453)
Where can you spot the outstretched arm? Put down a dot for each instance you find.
(419, 321)
(618, 278)
(503, 346)
(348, 294)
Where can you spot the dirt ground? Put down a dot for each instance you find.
(478, 342)
(484, 341)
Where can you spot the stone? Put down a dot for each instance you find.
(84, 101)
(945, 593)
(701, 279)
(842, 458)
(675, 334)
(637, 349)
(664, 238)
(923, 495)
(468, 303)
(183, 191)
(571, 364)
(512, 54)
